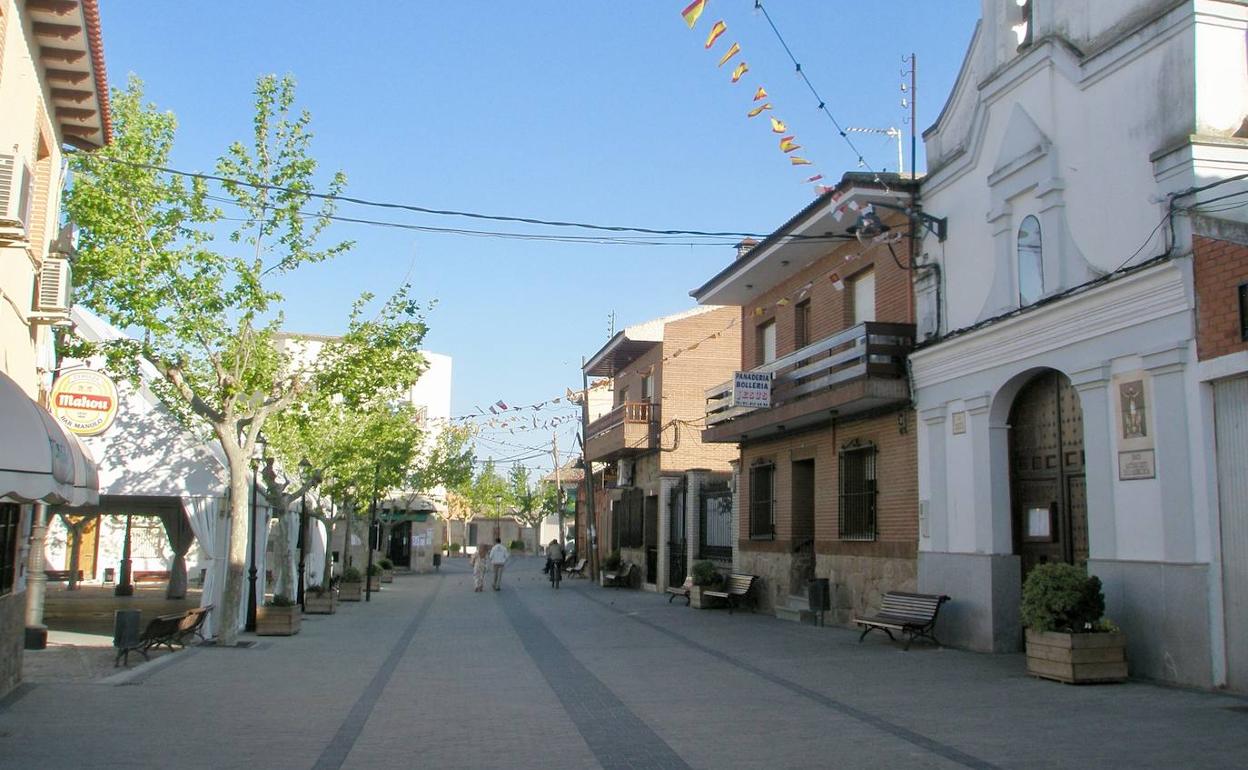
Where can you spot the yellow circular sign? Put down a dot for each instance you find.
(85, 401)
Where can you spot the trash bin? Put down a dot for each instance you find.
(125, 628)
(819, 592)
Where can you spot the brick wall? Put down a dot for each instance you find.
(12, 639)
(1221, 267)
(685, 379)
(831, 309)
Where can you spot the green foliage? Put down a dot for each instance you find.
(612, 562)
(704, 573)
(351, 575)
(280, 600)
(516, 545)
(385, 564)
(374, 570)
(1061, 597)
(489, 493)
(319, 590)
(447, 464)
(453, 547)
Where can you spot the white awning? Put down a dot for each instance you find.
(40, 461)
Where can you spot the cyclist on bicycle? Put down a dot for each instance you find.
(554, 558)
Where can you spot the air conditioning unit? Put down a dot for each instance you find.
(53, 294)
(16, 193)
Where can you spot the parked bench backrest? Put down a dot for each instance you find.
(739, 585)
(917, 608)
(164, 625)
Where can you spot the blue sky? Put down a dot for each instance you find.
(601, 112)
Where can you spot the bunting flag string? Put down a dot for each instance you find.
(691, 13)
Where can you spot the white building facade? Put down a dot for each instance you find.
(1063, 413)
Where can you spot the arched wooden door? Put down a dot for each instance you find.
(1047, 484)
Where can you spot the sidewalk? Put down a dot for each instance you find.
(432, 675)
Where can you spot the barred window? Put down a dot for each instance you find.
(762, 502)
(857, 492)
(10, 517)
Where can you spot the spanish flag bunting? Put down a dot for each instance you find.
(741, 69)
(782, 301)
(759, 311)
(717, 30)
(796, 161)
(732, 51)
(693, 12)
(788, 145)
(822, 189)
(778, 127)
(760, 94)
(815, 178)
(754, 113)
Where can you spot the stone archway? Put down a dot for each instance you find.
(1048, 499)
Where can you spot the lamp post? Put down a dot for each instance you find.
(251, 540)
(304, 467)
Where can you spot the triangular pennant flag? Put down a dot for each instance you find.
(741, 69)
(732, 51)
(754, 113)
(759, 311)
(796, 161)
(760, 94)
(493, 410)
(501, 405)
(815, 178)
(788, 145)
(717, 30)
(693, 12)
(782, 301)
(778, 127)
(835, 278)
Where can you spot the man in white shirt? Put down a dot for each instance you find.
(498, 557)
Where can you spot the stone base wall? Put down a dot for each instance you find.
(12, 639)
(859, 582)
(773, 568)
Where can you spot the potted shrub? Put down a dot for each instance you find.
(278, 617)
(387, 570)
(516, 545)
(1068, 637)
(374, 577)
(320, 600)
(705, 576)
(352, 587)
(454, 549)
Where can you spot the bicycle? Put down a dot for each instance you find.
(556, 572)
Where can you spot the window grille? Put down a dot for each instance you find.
(762, 501)
(858, 492)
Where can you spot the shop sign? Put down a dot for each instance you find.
(85, 401)
(752, 390)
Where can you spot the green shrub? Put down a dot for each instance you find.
(517, 545)
(318, 590)
(454, 547)
(704, 573)
(374, 570)
(386, 564)
(280, 600)
(1062, 597)
(612, 562)
(351, 575)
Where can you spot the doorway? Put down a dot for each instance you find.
(651, 530)
(1049, 511)
(400, 550)
(802, 565)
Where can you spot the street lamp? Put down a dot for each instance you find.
(251, 538)
(304, 478)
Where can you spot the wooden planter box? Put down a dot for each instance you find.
(387, 576)
(351, 592)
(322, 604)
(374, 583)
(1077, 658)
(277, 621)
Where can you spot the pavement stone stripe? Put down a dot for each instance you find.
(335, 753)
(619, 739)
(917, 739)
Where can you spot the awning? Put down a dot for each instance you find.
(40, 461)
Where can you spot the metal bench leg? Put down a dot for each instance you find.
(865, 630)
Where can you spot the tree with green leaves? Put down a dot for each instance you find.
(157, 258)
(526, 502)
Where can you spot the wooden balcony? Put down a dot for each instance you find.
(852, 372)
(629, 429)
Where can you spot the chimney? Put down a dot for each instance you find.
(744, 247)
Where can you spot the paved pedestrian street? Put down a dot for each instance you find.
(430, 674)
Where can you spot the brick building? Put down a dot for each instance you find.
(651, 438)
(828, 483)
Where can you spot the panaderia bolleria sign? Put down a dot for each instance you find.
(85, 401)
(751, 390)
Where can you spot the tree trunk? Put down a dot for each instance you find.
(236, 553)
(284, 555)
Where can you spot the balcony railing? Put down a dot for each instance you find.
(629, 412)
(629, 428)
(870, 349)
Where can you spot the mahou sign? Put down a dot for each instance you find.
(85, 401)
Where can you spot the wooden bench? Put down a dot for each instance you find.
(620, 578)
(161, 630)
(60, 575)
(913, 615)
(150, 576)
(576, 571)
(193, 625)
(736, 591)
(682, 590)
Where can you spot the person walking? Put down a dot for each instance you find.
(478, 568)
(498, 558)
